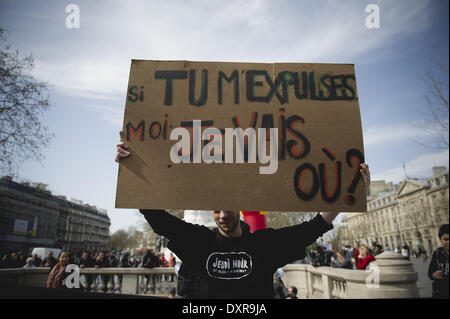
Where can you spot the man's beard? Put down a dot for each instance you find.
(230, 230)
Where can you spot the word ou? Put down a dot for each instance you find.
(73, 279)
(321, 180)
(373, 279)
(212, 151)
(73, 19)
(373, 19)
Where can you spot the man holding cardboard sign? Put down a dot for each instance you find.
(226, 137)
(231, 261)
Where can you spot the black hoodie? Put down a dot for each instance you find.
(236, 267)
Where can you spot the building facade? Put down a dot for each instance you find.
(31, 216)
(411, 213)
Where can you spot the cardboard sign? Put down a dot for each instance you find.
(179, 121)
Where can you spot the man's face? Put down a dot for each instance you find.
(444, 241)
(227, 221)
(84, 255)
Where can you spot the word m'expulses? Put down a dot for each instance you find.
(306, 85)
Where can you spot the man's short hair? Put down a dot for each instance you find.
(443, 230)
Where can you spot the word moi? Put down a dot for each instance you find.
(328, 88)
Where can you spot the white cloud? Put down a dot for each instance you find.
(247, 31)
(88, 78)
(259, 31)
(417, 167)
(392, 134)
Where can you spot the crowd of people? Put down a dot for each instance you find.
(148, 258)
(87, 259)
(358, 257)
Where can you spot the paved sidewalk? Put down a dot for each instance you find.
(423, 283)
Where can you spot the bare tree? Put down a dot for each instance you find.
(119, 240)
(23, 99)
(283, 219)
(435, 115)
(150, 235)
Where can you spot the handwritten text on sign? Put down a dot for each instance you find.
(196, 131)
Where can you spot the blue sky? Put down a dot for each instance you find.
(88, 71)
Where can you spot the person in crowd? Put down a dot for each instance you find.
(4, 261)
(313, 255)
(112, 260)
(172, 260)
(423, 253)
(29, 263)
(406, 252)
(50, 261)
(348, 253)
(378, 249)
(438, 268)
(292, 293)
(172, 293)
(171, 263)
(341, 261)
(162, 261)
(397, 250)
(148, 260)
(101, 261)
(324, 257)
(279, 289)
(22, 258)
(86, 262)
(355, 254)
(364, 257)
(13, 261)
(56, 277)
(124, 261)
(37, 261)
(388, 248)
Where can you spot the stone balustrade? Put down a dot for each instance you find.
(154, 282)
(390, 276)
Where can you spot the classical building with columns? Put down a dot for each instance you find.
(410, 212)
